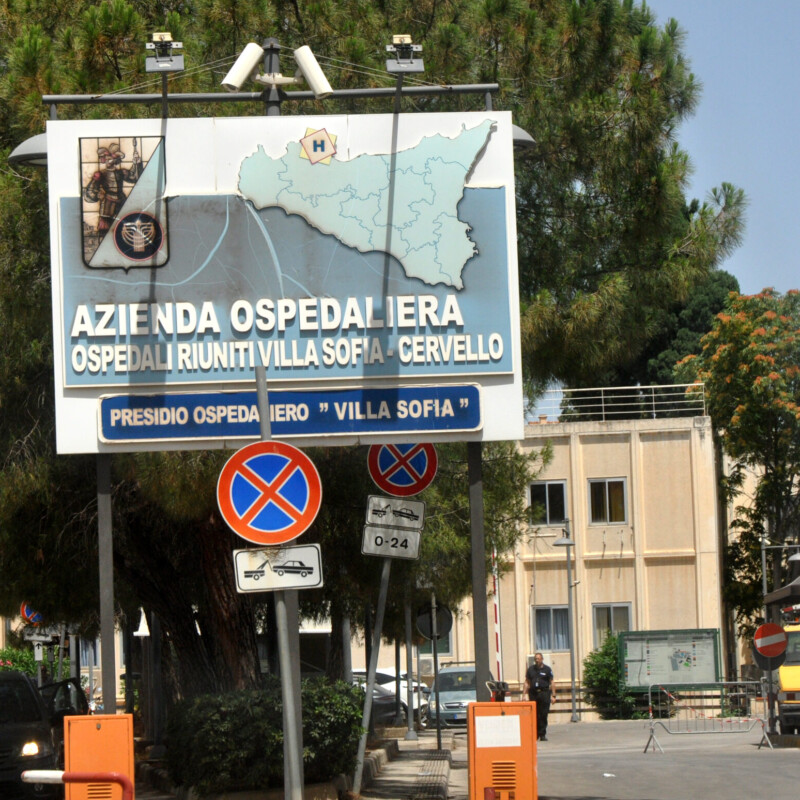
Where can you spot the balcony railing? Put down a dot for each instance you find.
(620, 402)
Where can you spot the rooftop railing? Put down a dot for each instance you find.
(607, 404)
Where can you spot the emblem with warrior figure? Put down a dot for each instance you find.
(109, 176)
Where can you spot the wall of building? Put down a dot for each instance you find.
(660, 565)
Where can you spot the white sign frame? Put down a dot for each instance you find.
(398, 513)
(259, 569)
(391, 542)
(204, 156)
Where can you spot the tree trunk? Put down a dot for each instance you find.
(226, 618)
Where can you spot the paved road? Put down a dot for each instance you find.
(605, 761)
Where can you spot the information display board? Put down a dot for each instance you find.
(373, 252)
(674, 658)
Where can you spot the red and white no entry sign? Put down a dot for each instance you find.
(269, 492)
(402, 470)
(770, 640)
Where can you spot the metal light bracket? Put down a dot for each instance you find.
(165, 60)
(404, 60)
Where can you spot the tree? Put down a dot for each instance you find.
(603, 682)
(680, 330)
(607, 238)
(606, 241)
(750, 365)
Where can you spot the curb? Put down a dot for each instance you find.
(374, 761)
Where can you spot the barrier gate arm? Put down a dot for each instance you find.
(60, 776)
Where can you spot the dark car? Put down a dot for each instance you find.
(293, 568)
(31, 731)
(384, 705)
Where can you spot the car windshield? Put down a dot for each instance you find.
(17, 703)
(793, 648)
(457, 682)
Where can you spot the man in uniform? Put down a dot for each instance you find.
(539, 688)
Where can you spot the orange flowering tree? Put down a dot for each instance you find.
(750, 365)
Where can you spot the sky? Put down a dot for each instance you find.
(746, 128)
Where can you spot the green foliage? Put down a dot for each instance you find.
(332, 713)
(681, 328)
(607, 239)
(14, 659)
(234, 741)
(603, 687)
(750, 365)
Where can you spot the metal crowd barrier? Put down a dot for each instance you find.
(726, 707)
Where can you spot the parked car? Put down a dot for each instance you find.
(32, 731)
(385, 678)
(457, 689)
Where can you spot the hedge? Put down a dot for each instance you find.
(234, 741)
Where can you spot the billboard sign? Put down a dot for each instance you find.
(674, 657)
(339, 252)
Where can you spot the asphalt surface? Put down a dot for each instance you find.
(587, 761)
(606, 761)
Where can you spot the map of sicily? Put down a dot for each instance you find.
(404, 204)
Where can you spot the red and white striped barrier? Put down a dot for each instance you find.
(61, 776)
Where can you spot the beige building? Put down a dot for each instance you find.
(639, 498)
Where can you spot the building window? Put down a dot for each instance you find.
(444, 646)
(607, 501)
(610, 618)
(90, 653)
(551, 628)
(548, 503)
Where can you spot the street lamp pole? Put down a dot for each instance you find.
(567, 543)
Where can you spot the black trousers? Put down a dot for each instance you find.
(542, 700)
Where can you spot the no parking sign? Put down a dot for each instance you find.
(269, 492)
(402, 470)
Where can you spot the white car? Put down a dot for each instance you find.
(385, 677)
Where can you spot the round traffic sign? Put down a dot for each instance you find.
(444, 621)
(770, 639)
(269, 492)
(29, 615)
(402, 470)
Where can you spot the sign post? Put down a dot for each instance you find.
(392, 531)
(269, 493)
(769, 650)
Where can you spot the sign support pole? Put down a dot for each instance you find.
(480, 616)
(411, 734)
(434, 643)
(292, 710)
(105, 548)
(373, 666)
